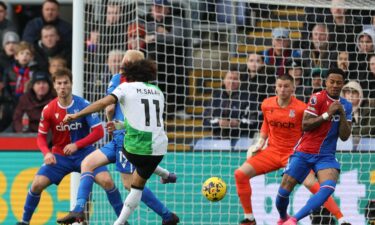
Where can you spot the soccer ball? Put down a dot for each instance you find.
(214, 189)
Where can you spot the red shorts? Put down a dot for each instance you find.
(268, 160)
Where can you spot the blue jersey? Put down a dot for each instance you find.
(113, 84)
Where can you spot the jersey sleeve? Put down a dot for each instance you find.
(119, 92)
(348, 111)
(314, 105)
(265, 127)
(44, 123)
(112, 84)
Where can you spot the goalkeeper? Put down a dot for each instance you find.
(112, 152)
(282, 127)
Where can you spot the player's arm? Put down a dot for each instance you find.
(110, 111)
(94, 107)
(345, 126)
(310, 121)
(44, 125)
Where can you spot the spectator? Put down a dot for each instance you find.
(221, 11)
(5, 24)
(165, 43)
(365, 47)
(50, 16)
(114, 62)
(136, 37)
(317, 75)
(343, 26)
(50, 46)
(111, 32)
(230, 114)
(259, 79)
(343, 62)
(363, 111)
(318, 53)
(55, 63)
(17, 76)
(10, 41)
(280, 51)
(33, 102)
(302, 90)
(97, 82)
(92, 40)
(368, 80)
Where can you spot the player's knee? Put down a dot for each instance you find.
(105, 181)
(37, 186)
(127, 184)
(327, 187)
(240, 176)
(86, 165)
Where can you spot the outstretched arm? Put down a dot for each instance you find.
(94, 107)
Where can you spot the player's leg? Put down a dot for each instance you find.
(327, 179)
(88, 165)
(46, 175)
(165, 176)
(296, 171)
(104, 179)
(327, 169)
(150, 200)
(261, 163)
(145, 166)
(312, 184)
(33, 197)
(126, 170)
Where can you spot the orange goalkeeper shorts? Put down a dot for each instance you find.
(268, 160)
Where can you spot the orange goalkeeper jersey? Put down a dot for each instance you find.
(282, 125)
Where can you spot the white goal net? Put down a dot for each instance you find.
(195, 43)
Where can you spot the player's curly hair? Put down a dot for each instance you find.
(142, 70)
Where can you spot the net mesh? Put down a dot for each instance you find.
(194, 47)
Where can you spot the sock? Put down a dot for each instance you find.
(84, 189)
(154, 203)
(325, 190)
(341, 220)
(114, 198)
(131, 202)
(282, 202)
(32, 201)
(330, 204)
(161, 172)
(249, 216)
(244, 190)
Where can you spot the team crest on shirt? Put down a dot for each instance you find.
(313, 100)
(75, 110)
(57, 115)
(292, 113)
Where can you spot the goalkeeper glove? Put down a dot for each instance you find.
(255, 147)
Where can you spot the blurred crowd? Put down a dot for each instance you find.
(331, 37)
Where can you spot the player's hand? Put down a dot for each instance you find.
(253, 149)
(150, 38)
(110, 126)
(70, 149)
(334, 107)
(49, 159)
(69, 118)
